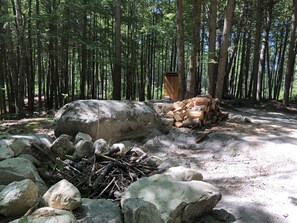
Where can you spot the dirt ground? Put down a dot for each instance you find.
(253, 163)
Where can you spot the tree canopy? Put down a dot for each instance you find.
(56, 51)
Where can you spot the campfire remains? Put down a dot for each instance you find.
(108, 173)
(105, 175)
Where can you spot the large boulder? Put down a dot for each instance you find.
(48, 215)
(108, 119)
(98, 210)
(18, 197)
(62, 195)
(176, 201)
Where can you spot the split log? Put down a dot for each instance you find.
(186, 113)
(195, 114)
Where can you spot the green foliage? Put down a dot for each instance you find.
(75, 38)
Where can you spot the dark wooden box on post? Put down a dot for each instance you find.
(171, 85)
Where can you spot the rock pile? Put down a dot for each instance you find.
(45, 180)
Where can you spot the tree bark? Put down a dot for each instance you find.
(224, 48)
(116, 77)
(212, 62)
(192, 75)
(180, 49)
(291, 56)
(256, 60)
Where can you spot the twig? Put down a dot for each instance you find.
(106, 187)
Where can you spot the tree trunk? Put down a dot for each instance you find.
(224, 48)
(291, 56)
(180, 49)
(212, 62)
(116, 77)
(256, 60)
(281, 62)
(191, 77)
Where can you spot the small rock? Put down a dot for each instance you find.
(31, 158)
(222, 215)
(5, 151)
(20, 146)
(18, 197)
(83, 148)
(137, 210)
(48, 215)
(2, 187)
(16, 169)
(183, 174)
(100, 146)
(82, 136)
(138, 151)
(119, 149)
(88, 211)
(153, 161)
(62, 195)
(62, 146)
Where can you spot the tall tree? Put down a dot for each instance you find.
(116, 77)
(291, 56)
(224, 48)
(192, 74)
(212, 62)
(259, 22)
(180, 49)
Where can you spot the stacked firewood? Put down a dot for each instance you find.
(198, 111)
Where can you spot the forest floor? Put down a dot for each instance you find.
(253, 163)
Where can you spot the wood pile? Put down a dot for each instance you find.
(197, 111)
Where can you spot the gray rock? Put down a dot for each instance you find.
(175, 140)
(48, 215)
(100, 146)
(82, 136)
(217, 216)
(2, 187)
(137, 210)
(62, 195)
(108, 119)
(177, 201)
(153, 161)
(98, 210)
(5, 151)
(16, 169)
(83, 148)
(239, 119)
(183, 174)
(18, 197)
(120, 148)
(31, 158)
(21, 144)
(62, 146)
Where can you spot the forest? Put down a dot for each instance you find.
(57, 51)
